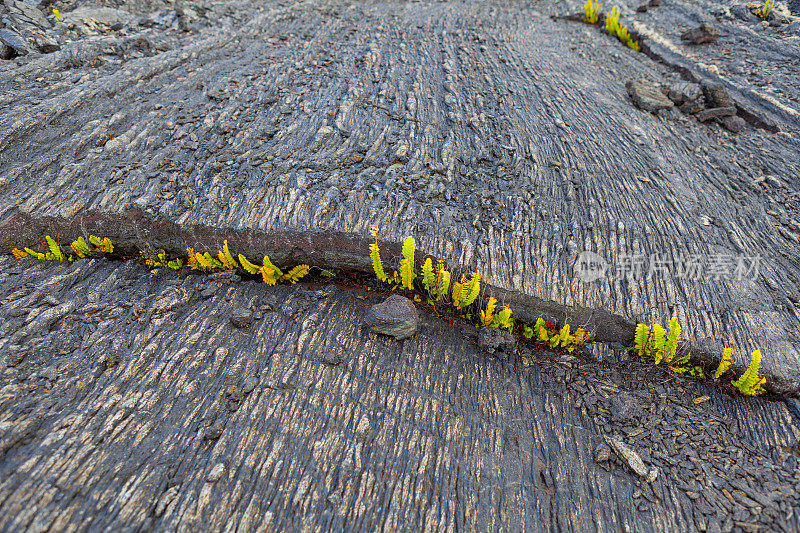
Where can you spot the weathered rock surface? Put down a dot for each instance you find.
(397, 316)
(703, 34)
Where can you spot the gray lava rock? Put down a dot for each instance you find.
(654, 3)
(642, 8)
(242, 318)
(715, 112)
(396, 316)
(701, 35)
(24, 13)
(733, 123)
(717, 96)
(495, 339)
(645, 95)
(681, 93)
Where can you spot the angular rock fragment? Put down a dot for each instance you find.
(715, 112)
(703, 34)
(646, 95)
(627, 454)
(242, 318)
(396, 316)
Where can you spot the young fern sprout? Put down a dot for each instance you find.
(750, 383)
(766, 9)
(725, 363)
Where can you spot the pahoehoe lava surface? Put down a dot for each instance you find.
(498, 135)
(135, 402)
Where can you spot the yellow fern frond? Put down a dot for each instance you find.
(472, 289)
(725, 363)
(294, 275)
(103, 245)
(191, 262)
(406, 274)
(377, 264)
(487, 317)
(444, 284)
(268, 264)
(428, 278)
(80, 247)
(248, 266)
(225, 257)
(458, 293)
(269, 275)
(19, 254)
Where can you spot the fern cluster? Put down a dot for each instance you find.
(650, 342)
(614, 28)
(204, 262)
(546, 332)
(592, 10)
(435, 280)
(80, 248)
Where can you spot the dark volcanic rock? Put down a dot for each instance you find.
(701, 35)
(396, 316)
(645, 95)
(495, 339)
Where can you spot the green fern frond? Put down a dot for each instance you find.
(471, 289)
(408, 252)
(176, 264)
(750, 383)
(443, 283)
(657, 342)
(503, 319)
(37, 255)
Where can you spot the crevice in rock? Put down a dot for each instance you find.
(132, 230)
